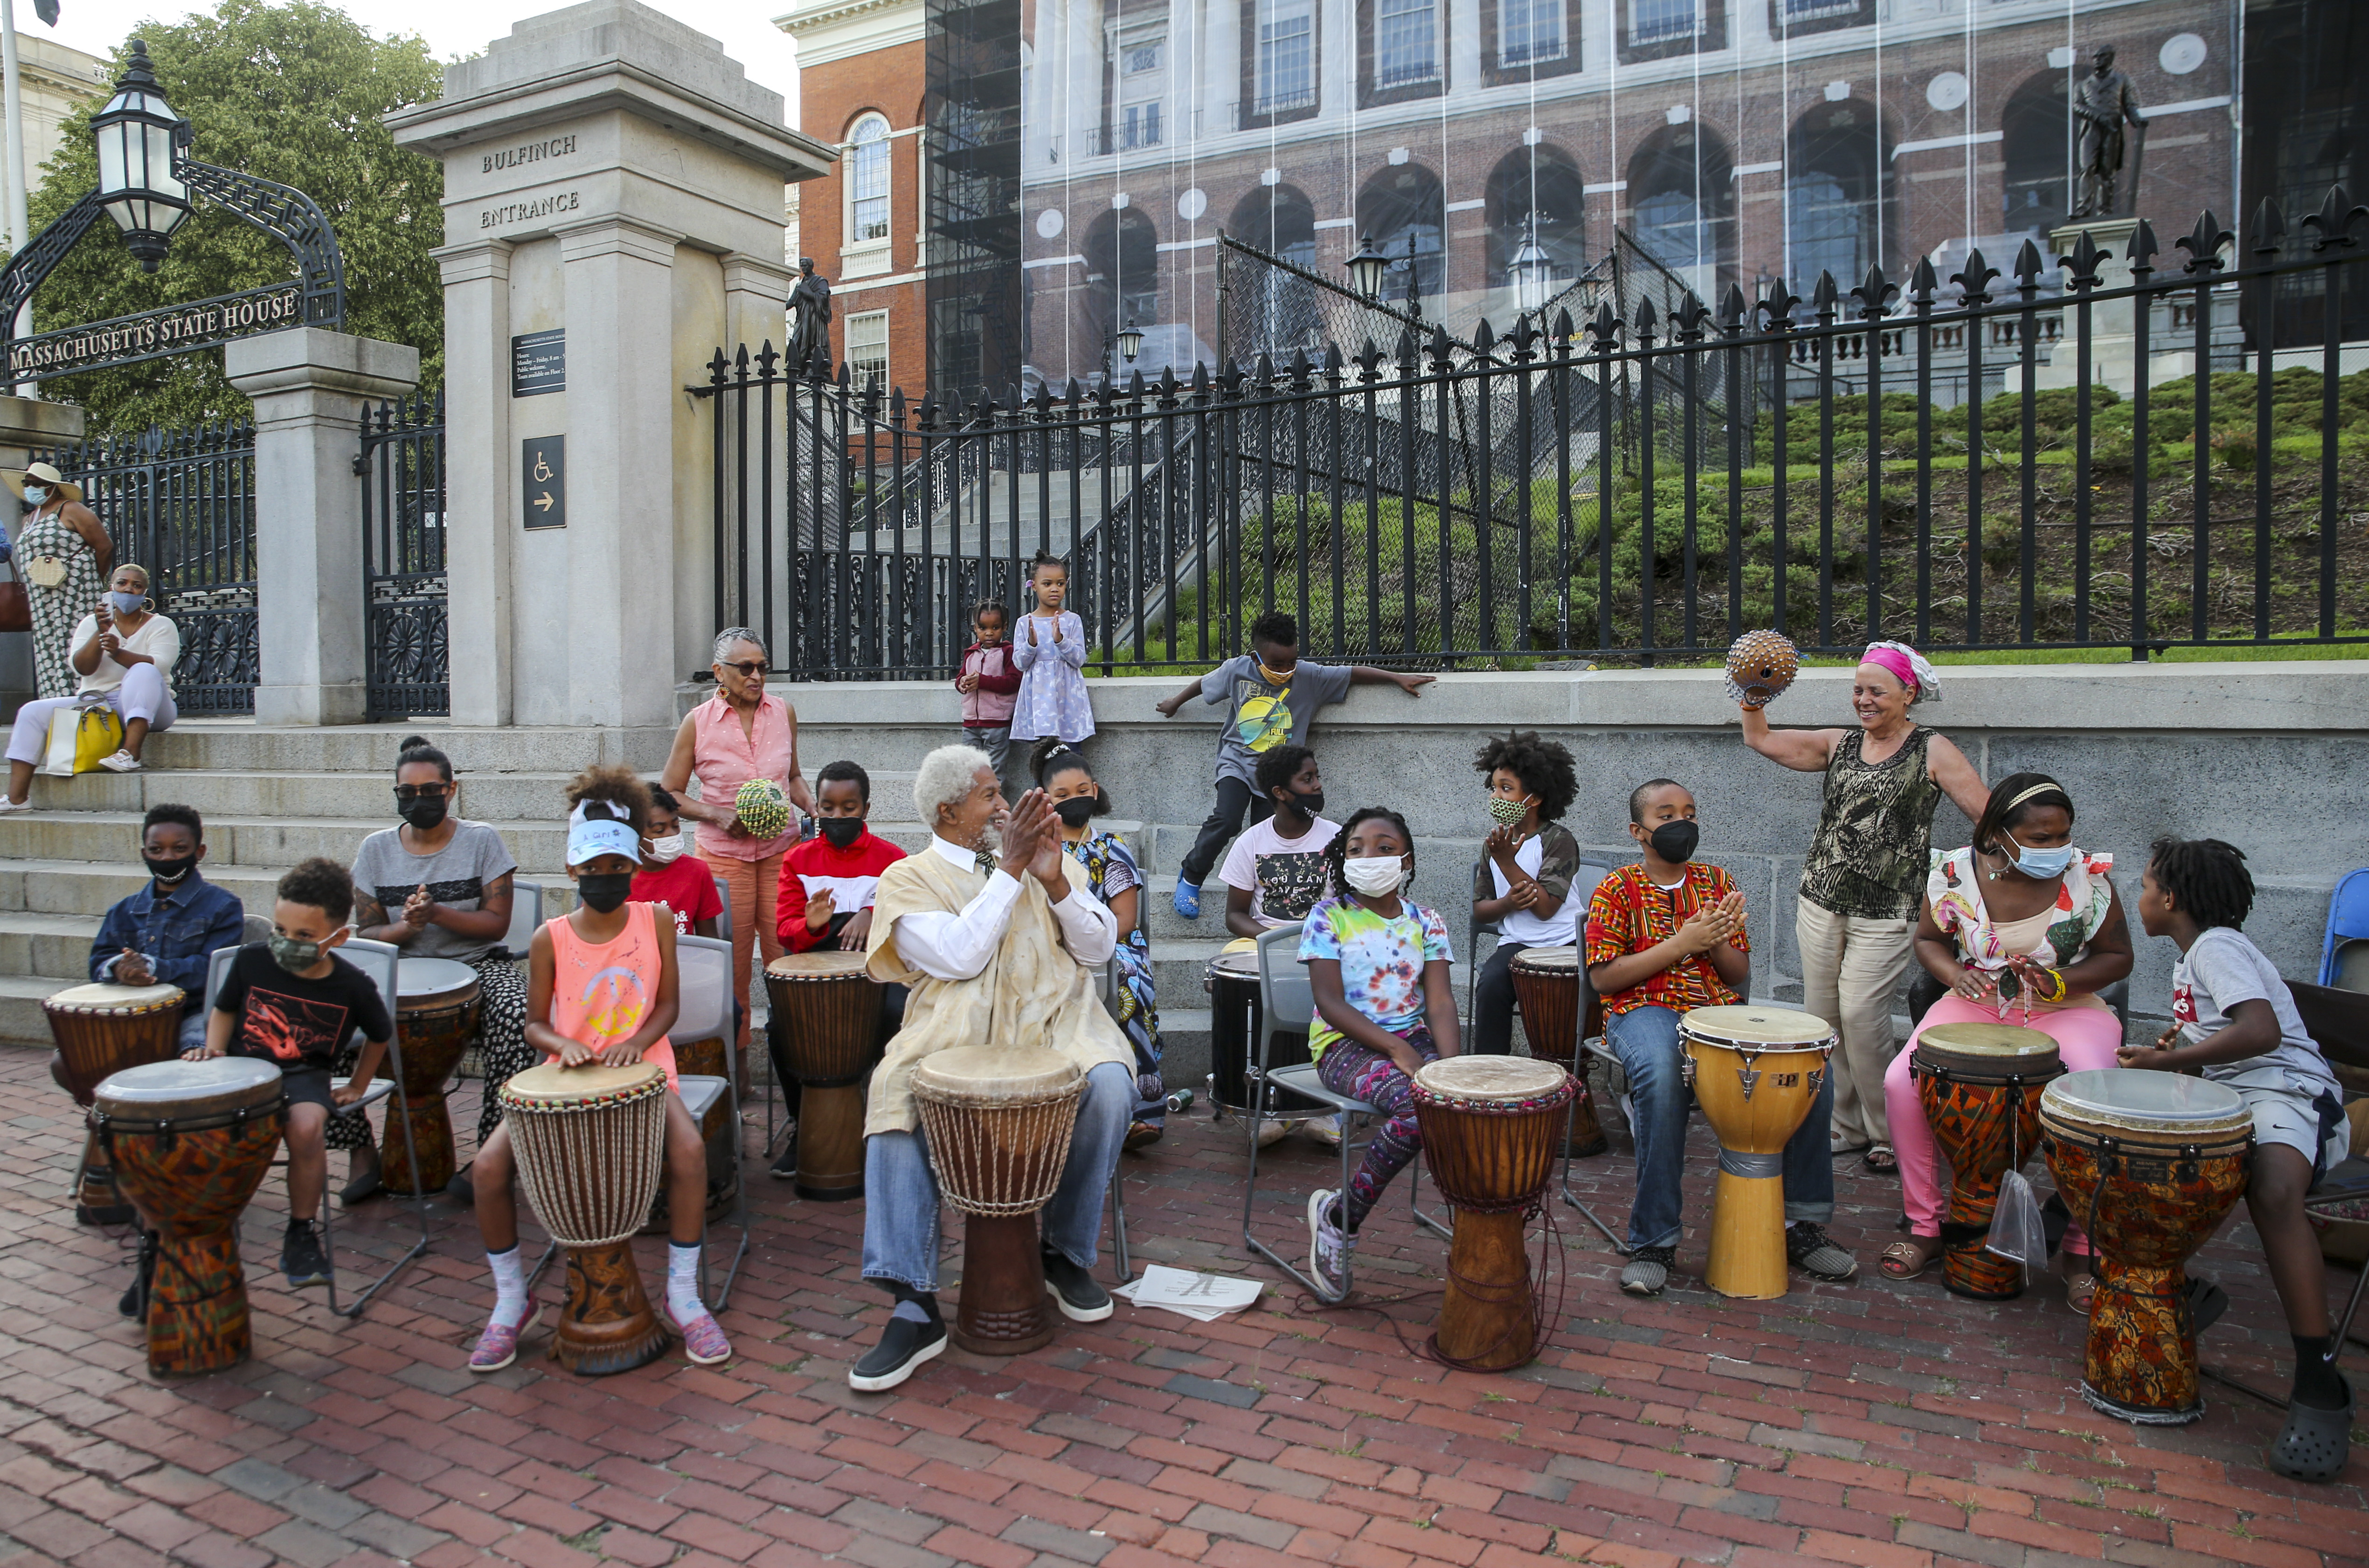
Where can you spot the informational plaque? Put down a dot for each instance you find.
(543, 466)
(539, 362)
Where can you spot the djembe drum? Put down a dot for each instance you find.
(827, 1006)
(190, 1142)
(1980, 1085)
(591, 1145)
(435, 1019)
(1760, 665)
(100, 1030)
(1756, 1072)
(1546, 983)
(2150, 1163)
(1492, 1127)
(997, 1123)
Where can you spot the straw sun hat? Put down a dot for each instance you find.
(42, 473)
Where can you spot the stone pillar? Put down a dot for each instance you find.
(310, 388)
(613, 216)
(27, 425)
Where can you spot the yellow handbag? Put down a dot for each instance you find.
(79, 738)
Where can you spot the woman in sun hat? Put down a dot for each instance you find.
(64, 555)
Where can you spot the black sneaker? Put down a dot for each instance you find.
(786, 1169)
(1648, 1270)
(1081, 1301)
(1807, 1249)
(903, 1347)
(301, 1257)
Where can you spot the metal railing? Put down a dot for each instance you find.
(1641, 490)
(401, 468)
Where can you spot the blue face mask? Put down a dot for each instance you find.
(2041, 864)
(127, 603)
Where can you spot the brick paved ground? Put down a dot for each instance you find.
(1867, 1423)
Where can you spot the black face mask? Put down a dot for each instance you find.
(1674, 841)
(1309, 803)
(425, 812)
(603, 891)
(840, 830)
(169, 871)
(1074, 811)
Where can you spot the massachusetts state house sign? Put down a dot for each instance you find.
(153, 335)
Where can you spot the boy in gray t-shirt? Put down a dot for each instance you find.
(1272, 696)
(2235, 1020)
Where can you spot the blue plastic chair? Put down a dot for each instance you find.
(2344, 955)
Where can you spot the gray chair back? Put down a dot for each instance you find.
(724, 920)
(702, 988)
(1286, 998)
(526, 917)
(259, 928)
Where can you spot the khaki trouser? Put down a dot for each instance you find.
(1851, 967)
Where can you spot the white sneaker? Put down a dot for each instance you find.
(1329, 1247)
(6, 806)
(122, 762)
(1325, 1131)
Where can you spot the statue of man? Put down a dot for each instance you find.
(2102, 101)
(810, 348)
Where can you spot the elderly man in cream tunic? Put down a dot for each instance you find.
(994, 931)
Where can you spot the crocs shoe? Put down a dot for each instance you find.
(702, 1342)
(2312, 1445)
(498, 1346)
(1188, 900)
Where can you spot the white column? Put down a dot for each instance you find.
(310, 388)
(479, 472)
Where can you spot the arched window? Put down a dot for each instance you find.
(2036, 143)
(867, 180)
(1541, 183)
(1273, 311)
(1834, 195)
(1402, 204)
(1122, 252)
(1682, 197)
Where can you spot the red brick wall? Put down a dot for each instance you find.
(831, 97)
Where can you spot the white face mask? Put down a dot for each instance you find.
(663, 852)
(1377, 877)
(35, 495)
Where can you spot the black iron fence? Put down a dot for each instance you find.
(182, 504)
(401, 466)
(2093, 451)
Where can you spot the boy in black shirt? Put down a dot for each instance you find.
(292, 1002)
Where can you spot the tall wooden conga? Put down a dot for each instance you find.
(190, 1142)
(1756, 1072)
(997, 1123)
(1546, 983)
(1492, 1127)
(2150, 1163)
(100, 1030)
(1980, 1085)
(590, 1144)
(827, 1007)
(435, 1019)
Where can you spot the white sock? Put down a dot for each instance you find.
(682, 1282)
(509, 1284)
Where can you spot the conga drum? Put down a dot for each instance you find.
(827, 1006)
(2150, 1163)
(1232, 982)
(1546, 983)
(101, 1030)
(435, 1019)
(590, 1143)
(1980, 1085)
(997, 1124)
(1756, 1072)
(1492, 1128)
(190, 1142)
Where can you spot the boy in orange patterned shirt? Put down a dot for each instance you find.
(1665, 937)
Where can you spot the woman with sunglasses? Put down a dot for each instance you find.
(439, 887)
(739, 735)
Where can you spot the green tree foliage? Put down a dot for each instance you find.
(294, 93)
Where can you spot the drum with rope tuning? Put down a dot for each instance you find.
(1980, 1085)
(1492, 1127)
(100, 1030)
(1546, 984)
(1756, 1072)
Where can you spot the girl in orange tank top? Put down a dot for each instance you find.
(601, 991)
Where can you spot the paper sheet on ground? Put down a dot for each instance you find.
(1204, 1298)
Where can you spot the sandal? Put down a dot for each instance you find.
(2080, 1290)
(1882, 1160)
(1907, 1260)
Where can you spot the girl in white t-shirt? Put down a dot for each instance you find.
(1523, 883)
(1275, 872)
(124, 652)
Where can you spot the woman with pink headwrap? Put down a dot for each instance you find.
(1863, 877)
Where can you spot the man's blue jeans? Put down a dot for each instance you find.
(1646, 1041)
(901, 1191)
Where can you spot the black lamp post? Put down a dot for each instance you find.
(1532, 269)
(1128, 343)
(1366, 268)
(140, 141)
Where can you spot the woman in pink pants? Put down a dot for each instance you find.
(2025, 929)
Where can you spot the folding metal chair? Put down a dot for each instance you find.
(526, 918)
(1288, 1004)
(378, 960)
(704, 994)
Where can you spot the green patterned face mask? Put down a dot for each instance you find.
(294, 955)
(1508, 813)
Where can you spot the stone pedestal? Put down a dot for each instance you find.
(28, 426)
(2113, 348)
(310, 388)
(612, 178)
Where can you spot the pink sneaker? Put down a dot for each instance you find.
(498, 1346)
(703, 1340)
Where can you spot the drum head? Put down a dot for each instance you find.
(1242, 966)
(568, 1085)
(983, 1075)
(1565, 960)
(113, 999)
(2147, 1102)
(423, 981)
(1758, 1028)
(165, 1089)
(1491, 1079)
(823, 964)
(1989, 1040)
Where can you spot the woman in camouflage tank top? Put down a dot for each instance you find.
(1865, 869)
